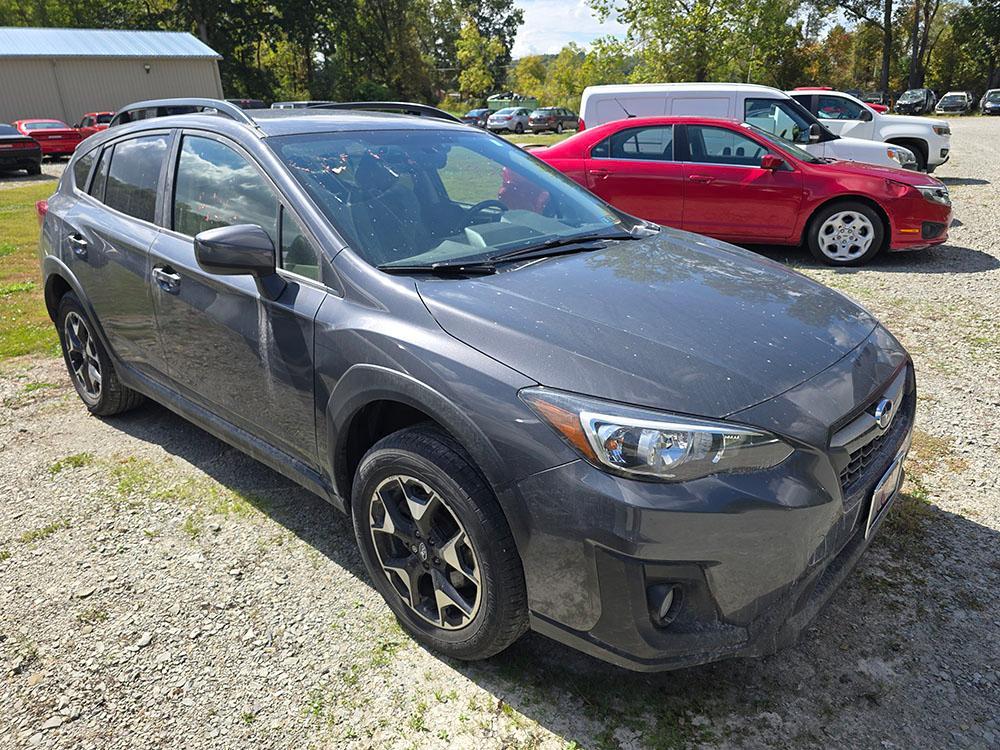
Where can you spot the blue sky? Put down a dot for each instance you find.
(550, 24)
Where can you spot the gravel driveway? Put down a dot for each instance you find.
(160, 589)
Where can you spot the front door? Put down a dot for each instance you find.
(727, 194)
(243, 356)
(634, 170)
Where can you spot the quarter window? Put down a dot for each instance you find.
(101, 174)
(297, 253)
(711, 145)
(134, 175)
(81, 169)
(837, 108)
(652, 144)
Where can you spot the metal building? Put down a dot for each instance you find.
(64, 73)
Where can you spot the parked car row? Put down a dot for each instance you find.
(522, 119)
(539, 410)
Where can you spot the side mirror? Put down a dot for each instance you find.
(238, 250)
(866, 115)
(770, 161)
(814, 132)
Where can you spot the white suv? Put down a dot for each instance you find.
(927, 138)
(767, 108)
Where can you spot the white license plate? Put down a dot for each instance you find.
(887, 488)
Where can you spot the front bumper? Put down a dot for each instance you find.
(754, 556)
(917, 223)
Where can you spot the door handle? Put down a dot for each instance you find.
(701, 178)
(79, 246)
(168, 280)
(599, 173)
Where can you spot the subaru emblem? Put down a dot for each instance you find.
(883, 413)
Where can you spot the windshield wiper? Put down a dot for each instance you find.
(448, 267)
(562, 246)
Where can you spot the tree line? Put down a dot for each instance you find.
(423, 50)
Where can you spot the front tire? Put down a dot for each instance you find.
(846, 233)
(89, 366)
(437, 545)
(519, 128)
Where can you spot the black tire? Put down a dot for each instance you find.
(34, 170)
(111, 396)
(519, 128)
(815, 226)
(432, 458)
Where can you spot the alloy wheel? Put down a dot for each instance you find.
(846, 236)
(425, 552)
(81, 352)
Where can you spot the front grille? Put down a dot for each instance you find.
(869, 461)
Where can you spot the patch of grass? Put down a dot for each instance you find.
(43, 532)
(4, 554)
(248, 717)
(418, 719)
(92, 615)
(25, 327)
(74, 461)
(192, 525)
(539, 139)
(32, 387)
(928, 451)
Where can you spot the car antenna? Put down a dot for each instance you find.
(627, 113)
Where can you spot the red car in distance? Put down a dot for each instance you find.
(880, 108)
(54, 136)
(733, 181)
(93, 122)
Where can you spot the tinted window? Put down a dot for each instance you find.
(837, 108)
(653, 144)
(134, 175)
(81, 169)
(297, 253)
(217, 187)
(710, 145)
(8, 130)
(101, 174)
(104, 119)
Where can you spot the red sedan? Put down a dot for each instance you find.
(93, 122)
(735, 182)
(54, 136)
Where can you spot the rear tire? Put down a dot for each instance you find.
(88, 364)
(519, 128)
(845, 233)
(34, 170)
(415, 493)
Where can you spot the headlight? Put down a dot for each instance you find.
(935, 194)
(942, 129)
(645, 444)
(903, 156)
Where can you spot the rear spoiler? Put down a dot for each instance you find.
(403, 108)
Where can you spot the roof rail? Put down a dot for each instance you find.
(406, 108)
(182, 106)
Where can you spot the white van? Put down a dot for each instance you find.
(767, 108)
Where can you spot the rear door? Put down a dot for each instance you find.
(110, 228)
(230, 349)
(844, 117)
(634, 170)
(727, 194)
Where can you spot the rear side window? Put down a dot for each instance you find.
(217, 187)
(81, 170)
(134, 176)
(837, 108)
(649, 144)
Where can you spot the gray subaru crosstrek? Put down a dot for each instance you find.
(540, 412)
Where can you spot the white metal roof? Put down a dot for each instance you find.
(28, 42)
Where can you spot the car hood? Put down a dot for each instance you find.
(863, 169)
(923, 122)
(676, 321)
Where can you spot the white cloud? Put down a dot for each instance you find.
(551, 24)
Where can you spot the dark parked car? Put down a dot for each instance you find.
(19, 151)
(555, 119)
(476, 117)
(916, 102)
(990, 103)
(955, 103)
(539, 412)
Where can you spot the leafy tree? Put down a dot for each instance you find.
(977, 28)
(476, 56)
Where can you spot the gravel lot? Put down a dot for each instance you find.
(51, 170)
(160, 589)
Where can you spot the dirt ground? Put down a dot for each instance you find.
(159, 589)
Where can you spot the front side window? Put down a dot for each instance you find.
(417, 197)
(650, 144)
(134, 175)
(81, 169)
(711, 145)
(837, 108)
(217, 187)
(785, 118)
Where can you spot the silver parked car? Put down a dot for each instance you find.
(513, 119)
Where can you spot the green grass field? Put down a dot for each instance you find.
(25, 327)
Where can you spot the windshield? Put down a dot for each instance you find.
(993, 96)
(790, 148)
(913, 95)
(104, 119)
(419, 197)
(785, 118)
(953, 99)
(47, 125)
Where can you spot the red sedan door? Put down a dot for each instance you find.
(634, 170)
(727, 194)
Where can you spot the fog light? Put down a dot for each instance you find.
(664, 603)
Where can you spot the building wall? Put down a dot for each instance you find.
(66, 88)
